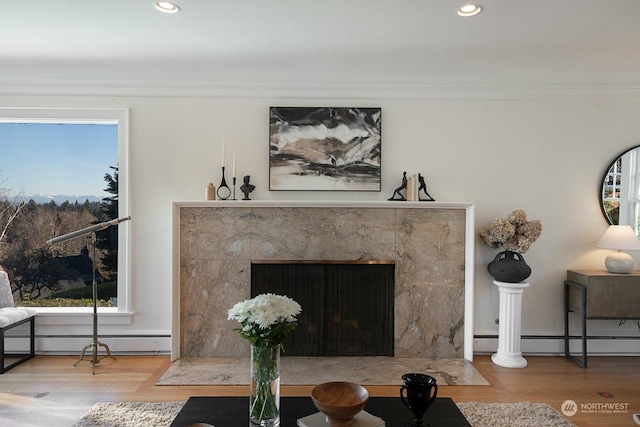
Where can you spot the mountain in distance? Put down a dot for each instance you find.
(58, 198)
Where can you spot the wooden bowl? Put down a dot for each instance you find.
(339, 401)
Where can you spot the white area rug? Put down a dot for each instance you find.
(137, 414)
(130, 414)
(316, 370)
(523, 414)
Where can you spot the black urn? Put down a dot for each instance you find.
(510, 267)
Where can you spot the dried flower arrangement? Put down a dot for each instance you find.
(515, 233)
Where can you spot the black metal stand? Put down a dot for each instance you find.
(78, 233)
(94, 342)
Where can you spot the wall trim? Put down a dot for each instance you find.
(206, 89)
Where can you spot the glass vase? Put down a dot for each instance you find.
(264, 399)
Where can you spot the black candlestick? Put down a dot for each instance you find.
(234, 188)
(223, 189)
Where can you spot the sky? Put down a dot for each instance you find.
(52, 158)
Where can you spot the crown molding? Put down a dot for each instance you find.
(322, 91)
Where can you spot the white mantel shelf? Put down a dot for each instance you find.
(469, 244)
(321, 204)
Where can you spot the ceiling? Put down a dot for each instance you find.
(328, 42)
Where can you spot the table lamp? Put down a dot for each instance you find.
(619, 237)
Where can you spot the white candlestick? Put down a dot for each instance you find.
(234, 165)
(223, 153)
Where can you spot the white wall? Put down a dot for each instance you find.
(545, 156)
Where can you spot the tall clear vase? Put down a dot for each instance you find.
(264, 399)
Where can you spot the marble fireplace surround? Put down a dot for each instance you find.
(431, 243)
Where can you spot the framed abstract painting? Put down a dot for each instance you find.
(324, 149)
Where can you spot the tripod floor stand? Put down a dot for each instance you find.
(94, 341)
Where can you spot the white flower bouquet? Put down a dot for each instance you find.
(266, 320)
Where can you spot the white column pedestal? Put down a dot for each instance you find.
(510, 325)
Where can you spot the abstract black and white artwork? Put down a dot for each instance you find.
(324, 149)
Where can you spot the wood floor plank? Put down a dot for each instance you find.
(30, 392)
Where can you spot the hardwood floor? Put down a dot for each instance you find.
(49, 390)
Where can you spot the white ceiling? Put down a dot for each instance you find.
(316, 42)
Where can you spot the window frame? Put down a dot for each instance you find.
(120, 116)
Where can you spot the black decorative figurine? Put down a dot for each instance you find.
(423, 186)
(247, 188)
(399, 189)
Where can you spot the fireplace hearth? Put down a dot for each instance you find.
(348, 305)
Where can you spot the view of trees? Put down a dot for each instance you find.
(39, 270)
(107, 240)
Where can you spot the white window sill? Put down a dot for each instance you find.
(81, 316)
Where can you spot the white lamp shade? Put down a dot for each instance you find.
(620, 237)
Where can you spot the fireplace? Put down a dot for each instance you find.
(348, 305)
(431, 245)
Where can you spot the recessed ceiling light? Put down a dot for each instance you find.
(470, 10)
(167, 7)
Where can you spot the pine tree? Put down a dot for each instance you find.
(107, 240)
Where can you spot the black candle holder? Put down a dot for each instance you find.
(234, 188)
(223, 189)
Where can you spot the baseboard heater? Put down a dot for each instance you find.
(553, 345)
(561, 337)
(119, 344)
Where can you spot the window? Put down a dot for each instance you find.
(621, 190)
(72, 152)
(633, 210)
(611, 191)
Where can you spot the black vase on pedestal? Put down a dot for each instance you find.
(510, 267)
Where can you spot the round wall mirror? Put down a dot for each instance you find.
(620, 189)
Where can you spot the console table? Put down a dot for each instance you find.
(596, 294)
(234, 412)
